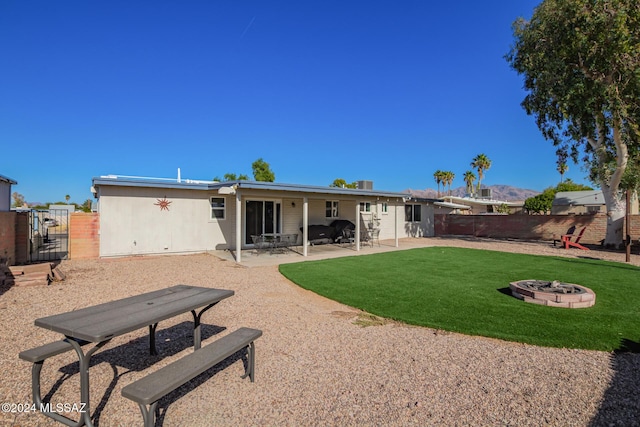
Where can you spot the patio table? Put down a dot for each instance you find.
(101, 323)
(283, 242)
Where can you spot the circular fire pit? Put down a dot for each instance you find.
(553, 294)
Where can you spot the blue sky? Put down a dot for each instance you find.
(385, 91)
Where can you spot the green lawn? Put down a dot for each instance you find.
(466, 290)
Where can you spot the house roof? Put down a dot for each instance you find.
(486, 202)
(452, 205)
(7, 179)
(423, 200)
(133, 181)
(578, 198)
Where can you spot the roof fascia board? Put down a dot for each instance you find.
(452, 205)
(7, 179)
(251, 185)
(128, 182)
(273, 186)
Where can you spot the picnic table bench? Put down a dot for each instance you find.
(147, 391)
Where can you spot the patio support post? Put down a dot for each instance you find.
(395, 210)
(357, 226)
(238, 227)
(305, 225)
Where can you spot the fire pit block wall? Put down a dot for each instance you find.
(544, 293)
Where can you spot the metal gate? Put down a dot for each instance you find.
(48, 235)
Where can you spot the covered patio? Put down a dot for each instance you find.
(252, 258)
(272, 210)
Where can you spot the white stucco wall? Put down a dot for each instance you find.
(5, 196)
(424, 228)
(387, 225)
(292, 217)
(132, 223)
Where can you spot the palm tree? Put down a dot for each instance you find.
(562, 169)
(448, 179)
(438, 175)
(469, 177)
(481, 162)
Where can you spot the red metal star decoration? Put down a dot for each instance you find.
(163, 203)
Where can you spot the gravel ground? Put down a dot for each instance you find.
(315, 365)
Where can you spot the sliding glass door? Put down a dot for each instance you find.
(262, 217)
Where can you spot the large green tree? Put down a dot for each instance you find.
(231, 177)
(581, 65)
(262, 171)
(341, 183)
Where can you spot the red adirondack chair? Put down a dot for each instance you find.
(568, 243)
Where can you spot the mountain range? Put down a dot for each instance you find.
(505, 193)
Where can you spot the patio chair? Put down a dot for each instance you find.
(569, 232)
(260, 244)
(375, 236)
(365, 237)
(568, 243)
(347, 237)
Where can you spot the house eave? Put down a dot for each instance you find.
(8, 180)
(276, 186)
(452, 205)
(129, 181)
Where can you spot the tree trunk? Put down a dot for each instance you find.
(616, 209)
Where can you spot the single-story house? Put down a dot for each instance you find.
(479, 206)
(155, 215)
(578, 202)
(584, 202)
(5, 193)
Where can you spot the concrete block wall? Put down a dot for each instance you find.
(84, 235)
(8, 237)
(528, 227)
(22, 238)
(634, 226)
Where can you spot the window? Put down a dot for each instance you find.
(412, 213)
(365, 206)
(385, 207)
(331, 209)
(218, 208)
